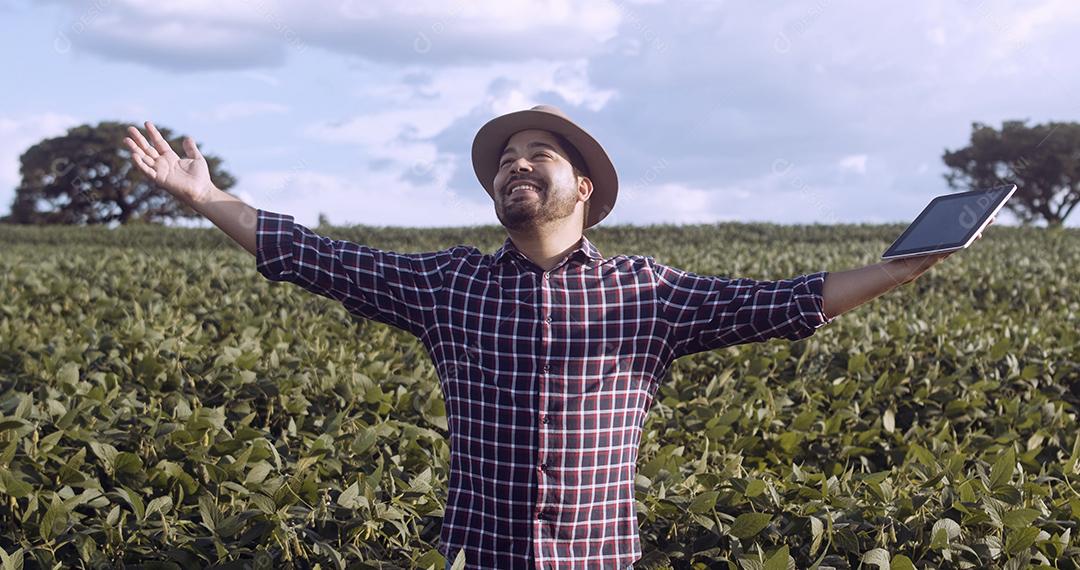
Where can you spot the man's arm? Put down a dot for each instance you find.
(231, 214)
(704, 312)
(845, 290)
(392, 288)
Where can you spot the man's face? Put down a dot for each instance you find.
(535, 160)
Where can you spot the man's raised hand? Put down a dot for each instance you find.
(187, 179)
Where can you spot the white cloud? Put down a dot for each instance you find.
(853, 163)
(410, 117)
(1017, 28)
(239, 110)
(937, 35)
(672, 203)
(365, 197)
(210, 34)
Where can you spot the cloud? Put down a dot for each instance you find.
(169, 44)
(424, 121)
(239, 110)
(854, 163)
(204, 35)
(367, 196)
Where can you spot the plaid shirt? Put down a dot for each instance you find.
(547, 375)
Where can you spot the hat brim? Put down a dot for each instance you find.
(491, 139)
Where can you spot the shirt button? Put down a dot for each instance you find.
(547, 368)
(547, 319)
(543, 467)
(545, 420)
(547, 275)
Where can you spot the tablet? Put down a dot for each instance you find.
(950, 222)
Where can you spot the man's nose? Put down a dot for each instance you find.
(520, 165)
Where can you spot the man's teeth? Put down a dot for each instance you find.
(525, 186)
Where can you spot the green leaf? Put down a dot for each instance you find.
(106, 453)
(16, 423)
(704, 502)
(754, 488)
(13, 561)
(348, 497)
(749, 524)
(877, 557)
(1020, 540)
(1020, 518)
(1002, 471)
(779, 560)
(263, 503)
(901, 562)
(999, 350)
(13, 486)
(68, 373)
(817, 533)
(856, 363)
(258, 473)
(134, 500)
(54, 521)
(211, 516)
(127, 463)
(943, 533)
(161, 505)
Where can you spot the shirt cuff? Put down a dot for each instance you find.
(273, 245)
(811, 301)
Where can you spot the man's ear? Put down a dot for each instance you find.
(585, 187)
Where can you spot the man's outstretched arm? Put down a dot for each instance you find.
(392, 288)
(845, 290)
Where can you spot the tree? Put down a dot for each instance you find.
(86, 177)
(1042, 160)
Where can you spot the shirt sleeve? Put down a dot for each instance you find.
(704, 313)
(393, 288)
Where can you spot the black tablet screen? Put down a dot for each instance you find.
(950, 220)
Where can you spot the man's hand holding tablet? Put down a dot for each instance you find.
(949, 223)
(912, 267)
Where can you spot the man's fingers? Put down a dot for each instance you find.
(145, 165)
(190, 148)
(141, 143)
(157, 139)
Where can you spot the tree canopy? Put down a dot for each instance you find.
(1042, 160)
(85, 177)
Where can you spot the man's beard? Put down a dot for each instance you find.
(525, 213)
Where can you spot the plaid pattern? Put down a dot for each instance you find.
(547, 376)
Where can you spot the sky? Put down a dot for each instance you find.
(823, 111)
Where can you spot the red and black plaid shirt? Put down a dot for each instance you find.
(547, 375)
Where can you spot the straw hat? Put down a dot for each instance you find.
(490, 141)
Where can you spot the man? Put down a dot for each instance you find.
(548, 353)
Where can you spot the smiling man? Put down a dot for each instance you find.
(548, 353)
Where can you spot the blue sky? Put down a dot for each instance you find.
(792, 112)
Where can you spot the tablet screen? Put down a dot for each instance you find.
(950, 221)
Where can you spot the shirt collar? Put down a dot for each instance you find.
(585, 247)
